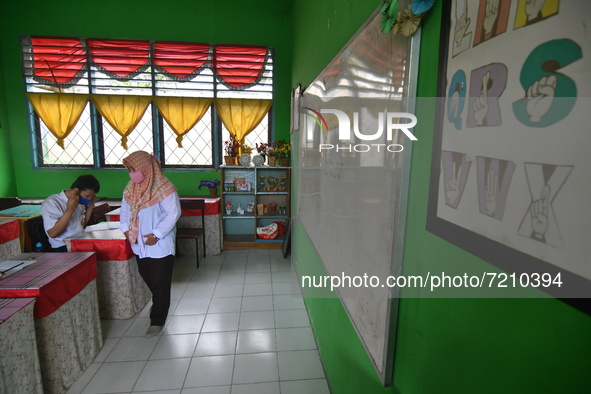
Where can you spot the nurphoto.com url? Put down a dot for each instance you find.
(433, 282)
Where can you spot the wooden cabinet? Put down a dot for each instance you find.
(254, 197)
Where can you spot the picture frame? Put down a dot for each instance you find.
(505, 187)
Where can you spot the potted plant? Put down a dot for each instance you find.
(247, 149)
(271, 154)
(231, 150)
(283, 151)
(212, 185)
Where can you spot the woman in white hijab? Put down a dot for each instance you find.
(149, 212)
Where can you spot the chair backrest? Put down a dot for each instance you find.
(195, 204)
(35, 232)
(9, 202)
(99, 214)
(192, 204)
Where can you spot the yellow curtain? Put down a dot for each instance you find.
(122, 112)
(241, 116)
(59, 111)
(182, 113)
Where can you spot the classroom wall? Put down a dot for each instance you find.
(256, 22)
(442, 345)
(7, 182)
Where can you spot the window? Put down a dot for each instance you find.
(147, 73)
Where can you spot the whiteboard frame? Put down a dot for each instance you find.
(385, 369)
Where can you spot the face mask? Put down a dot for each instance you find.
(83, 201)
(136, 176)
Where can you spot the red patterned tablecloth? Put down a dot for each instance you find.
(53, 279)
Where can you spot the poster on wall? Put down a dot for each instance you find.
(511, 170)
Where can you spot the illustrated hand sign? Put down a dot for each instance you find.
(492, 184)
(533, 7)
(452, 186)
(454, 107)
(491, 13)
(539, 213)
(480, 105)
(462, 25)
(539, 97)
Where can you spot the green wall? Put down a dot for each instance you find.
(256, 22)
(7, 181)
(442, 345)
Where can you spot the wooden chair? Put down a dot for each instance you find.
(192, 232)
(9, 202)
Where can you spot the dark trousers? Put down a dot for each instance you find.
(157, 273)
(61, 249)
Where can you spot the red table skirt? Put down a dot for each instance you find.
(212, 207)
(106, 249)
(9, 231)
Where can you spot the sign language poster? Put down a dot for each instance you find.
(511, 171)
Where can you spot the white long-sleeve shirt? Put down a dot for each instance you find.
(52, 209)
(160, 220)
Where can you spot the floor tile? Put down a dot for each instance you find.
(221, 322)
(163, 374)
(257, 303)
(282, 301)
(257, 388)
(208, 390)
(257, 277)
(255, 368)
(316, 386)
(216, 343)
(225, 304)
(289, 318)
(257, 320)
(175, 346)
(192, 306)
(210, 371)
(256, 341)
(234, 290)
(257, 289)
(295, 339)
(189, 324)
(133, 349)
(115, 377)
(300, 364)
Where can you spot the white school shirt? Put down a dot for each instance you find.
(53, 209)
(159, 219)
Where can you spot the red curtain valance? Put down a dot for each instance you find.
(60, 60)
(179, 59)
(119, 57)
(238, 65)
(58, 63)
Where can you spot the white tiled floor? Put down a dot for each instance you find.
(237, 325)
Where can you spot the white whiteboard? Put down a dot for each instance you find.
(352, 203)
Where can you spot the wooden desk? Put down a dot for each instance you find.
(67, 322)
(122, 292)
(22, 213)
(9, 238)
(190, 218)
(19, 363)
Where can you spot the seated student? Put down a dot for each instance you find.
(66, 213)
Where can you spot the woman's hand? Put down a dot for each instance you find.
(150, 239)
